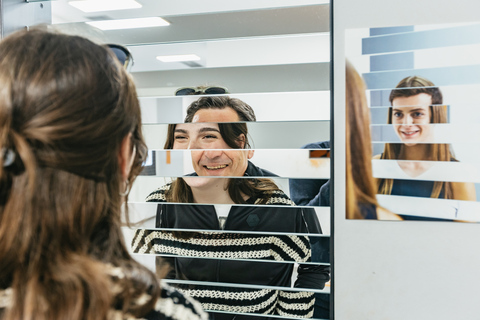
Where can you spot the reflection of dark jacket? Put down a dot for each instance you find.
(311, 192)
(283, 218)
(315, 192)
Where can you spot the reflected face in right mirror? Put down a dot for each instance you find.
(411, 116)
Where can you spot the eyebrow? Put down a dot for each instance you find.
(416, 109)
(181, 131)
(207, 129)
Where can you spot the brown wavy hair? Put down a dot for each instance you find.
(407, 87)
(66, 105)
(360, 186)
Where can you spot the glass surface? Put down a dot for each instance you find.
(296, 163)
(276, 58)
(421, 86)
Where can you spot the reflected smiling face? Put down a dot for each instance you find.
(220, 159)
(411, 117)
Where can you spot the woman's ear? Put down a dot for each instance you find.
(241, 141)
(126, 156)
(241, 144)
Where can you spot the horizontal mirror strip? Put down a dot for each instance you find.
(262, 135)
(243, 285)
(251, 79)
(452, 94)
(285, 163)
(443, 76)
(224, 25)
(281, 219)
(426, 170)
(303, 192)
(269, 106)
(289, 303)
(418, 208)
(431, 133)
(263, 51)
(464, 152)
(232, 245)
(442, 36)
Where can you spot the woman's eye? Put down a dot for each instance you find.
(397, 114)
(210, 137)
(180, 138)
(418, 114)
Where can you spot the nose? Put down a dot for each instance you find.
(212, 154)
(194, 144)
(408, 120)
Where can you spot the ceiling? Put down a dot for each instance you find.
(254, 34)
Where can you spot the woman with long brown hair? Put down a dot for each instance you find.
(417, 104)
(360, 185)
(71, 145)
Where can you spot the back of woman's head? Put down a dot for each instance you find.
(66, 105)
(360, 185)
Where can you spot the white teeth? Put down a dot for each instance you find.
(216, 168)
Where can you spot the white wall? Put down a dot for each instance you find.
(399, 270)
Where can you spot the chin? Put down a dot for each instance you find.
(410, 144)
(197, 182)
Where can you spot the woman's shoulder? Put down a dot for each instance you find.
(384, 214)
(176, 306)
(159, 195)
(170, 305)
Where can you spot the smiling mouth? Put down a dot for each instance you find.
(216, 167)
(410, 133)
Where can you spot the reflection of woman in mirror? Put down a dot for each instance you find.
(416, 105)
(71, 144)
(222, 150)
(360, 186)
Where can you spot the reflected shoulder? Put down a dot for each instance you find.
(464, 191)
(383, 214)
(277, 197)
(159, 194)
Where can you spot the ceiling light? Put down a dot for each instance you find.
(129, 23)
(179, 58)
(104, 5)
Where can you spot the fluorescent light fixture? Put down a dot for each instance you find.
(179, 58)
(104, 5)
(129, 23)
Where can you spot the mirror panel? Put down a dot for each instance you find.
(142, 215)
(276, 106)
(256, 300)
(295, 163)
(275, 57)
(425, 160)
(437, 133)
(287, 248)
(426, 208)
(262, 135)
(302, 192)
(223, 25)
